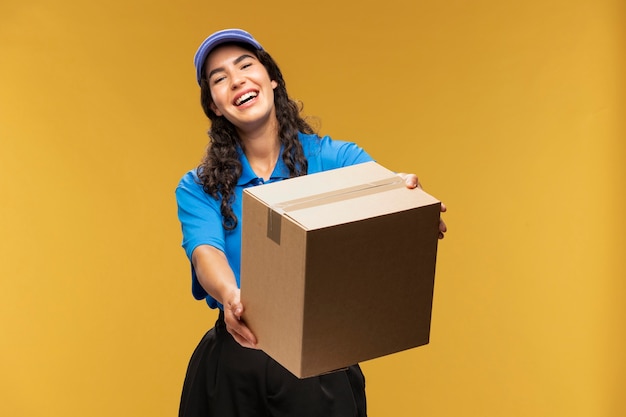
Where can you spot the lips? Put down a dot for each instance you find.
(245, 97)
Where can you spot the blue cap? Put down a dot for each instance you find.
(220, 37)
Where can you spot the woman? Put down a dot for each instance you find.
(257, 136)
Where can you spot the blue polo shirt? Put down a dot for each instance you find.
(200, 216)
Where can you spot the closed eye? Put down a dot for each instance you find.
(218, 79)
(217, 75)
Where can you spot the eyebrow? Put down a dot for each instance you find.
(235, 62)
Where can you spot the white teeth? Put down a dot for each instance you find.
(245, 98)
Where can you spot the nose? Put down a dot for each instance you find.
(237, 81)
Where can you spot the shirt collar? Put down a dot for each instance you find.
(248, 176)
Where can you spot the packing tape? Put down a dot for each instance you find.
(276, 211)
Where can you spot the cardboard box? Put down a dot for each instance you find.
(338, 267)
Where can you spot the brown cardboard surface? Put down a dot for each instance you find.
(338, 267)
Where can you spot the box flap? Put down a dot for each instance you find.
(339, 196)
(320, 183)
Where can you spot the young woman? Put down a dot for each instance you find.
(257, 136)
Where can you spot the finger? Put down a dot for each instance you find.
(242, 340)
(243, 336)
(410, 180)
(233, 309)
(245, 340)
(238, 311)
(413, 182)
(246, 333)
(240, 331)
(443, 208)
(442, 229)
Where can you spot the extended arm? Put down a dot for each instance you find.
(217, 278)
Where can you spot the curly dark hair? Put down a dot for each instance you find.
(220, 168)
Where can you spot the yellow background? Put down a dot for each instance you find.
(512, 113)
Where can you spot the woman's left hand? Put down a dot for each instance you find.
(412, 181)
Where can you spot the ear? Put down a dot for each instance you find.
(274, 84)
(215, 110)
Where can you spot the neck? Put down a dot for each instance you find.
(262, 148)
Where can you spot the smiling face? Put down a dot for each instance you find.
(241, 89)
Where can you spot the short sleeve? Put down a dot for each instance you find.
(200, 220)
(325, 153)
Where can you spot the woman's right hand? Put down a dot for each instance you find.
(217, 278)
(233, 309)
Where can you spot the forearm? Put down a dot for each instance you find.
(217, 279)
(214, 273)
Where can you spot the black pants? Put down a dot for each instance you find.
(225, 379)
